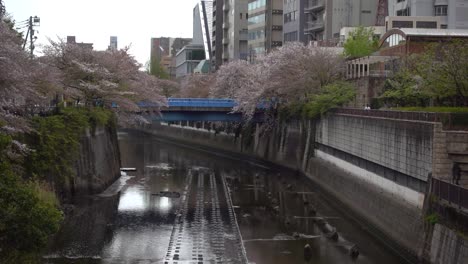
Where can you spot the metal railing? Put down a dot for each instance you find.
(448, 119)
(314, 25)
(312, 4)
(451, 193)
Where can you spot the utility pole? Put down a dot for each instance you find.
(33, 21)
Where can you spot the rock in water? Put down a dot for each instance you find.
(354, 252)
(307, 253)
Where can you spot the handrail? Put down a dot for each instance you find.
(449, 120)
(453, 194)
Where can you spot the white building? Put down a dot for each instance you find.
(453, 13)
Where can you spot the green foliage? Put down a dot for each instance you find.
(329, 96)
(437, 77)
(361, 42)
(444, 72)
(332, 95)
(432, 218)
(56, 141)
(155, 68)
(404, 89)
(28, 213)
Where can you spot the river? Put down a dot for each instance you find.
(189, 205)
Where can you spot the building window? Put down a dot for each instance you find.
(403, 12)
(291, 36)
(290, 17)
(256, 4)
(402, 24)
(240, 15)
(257, 19)
(256, 34)
(366, 11)
(393, 40)
(426, 24)
(443, 26)
(440, 10)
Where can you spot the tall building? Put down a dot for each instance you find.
(229, 37)
(453, 13)
(265, 25)
(310, 20)
(113, 43)
(198, 52)
(203, 25)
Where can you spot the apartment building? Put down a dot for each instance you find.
(265, 26)
(453, 14)
(229, 35)
(315, 20)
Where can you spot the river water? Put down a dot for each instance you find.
(186, 205)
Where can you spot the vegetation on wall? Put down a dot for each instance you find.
(29, 212)
(56, 141)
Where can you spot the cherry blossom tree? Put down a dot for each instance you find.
(106, 78)
(196, 86)
(17, 79)
(290, 74)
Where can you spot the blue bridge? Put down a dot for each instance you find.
(199, 109)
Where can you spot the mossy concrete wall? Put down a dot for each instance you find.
(98, 163)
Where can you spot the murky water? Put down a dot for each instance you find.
(184, 205)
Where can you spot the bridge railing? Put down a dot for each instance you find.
(453, 194)
(201, 102)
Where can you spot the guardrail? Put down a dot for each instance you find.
(451, 193)
(449, 120)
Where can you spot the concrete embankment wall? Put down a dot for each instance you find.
(377, 167)
(98, 163)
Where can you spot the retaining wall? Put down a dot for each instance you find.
(377, 167)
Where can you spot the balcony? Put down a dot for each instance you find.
(314, 5)
(243, 35)
(316, 25)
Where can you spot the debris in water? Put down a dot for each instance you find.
(167, 194)
(354, 252)
(307, 253)
(128, 169)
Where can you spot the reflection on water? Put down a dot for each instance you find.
(176, 208)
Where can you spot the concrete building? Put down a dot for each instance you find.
(71, 40)
(312, 20)
(453, 13)
(113, 43)
(188, 58)
(265, 26)
(433, 22)
(229, 36)
(164, 50)
(203, 25)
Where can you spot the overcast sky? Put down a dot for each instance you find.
(132, 21)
